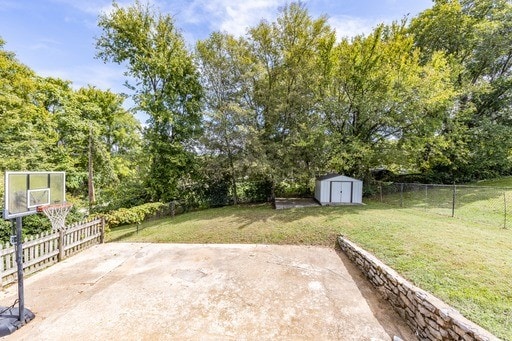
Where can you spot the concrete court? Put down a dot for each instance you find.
(136, 291)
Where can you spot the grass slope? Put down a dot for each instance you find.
(466, 264)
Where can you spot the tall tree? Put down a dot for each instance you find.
(27, 134)
(225, 74)
(287, 54)
(475, 35)
(381, 98)
(166, 87)
(110, 134)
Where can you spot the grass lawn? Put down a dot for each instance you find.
(486, 202)
(466, 264)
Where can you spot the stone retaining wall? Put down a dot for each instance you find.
(429, 317)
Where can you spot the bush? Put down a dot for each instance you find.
(256, 191)
(136, 214)
(217, 193)
(293, 189)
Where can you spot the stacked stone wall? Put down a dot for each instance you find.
(429, 317)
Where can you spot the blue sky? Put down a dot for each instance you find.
(56, 37)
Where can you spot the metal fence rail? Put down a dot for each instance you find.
(487, 205)
(49, 248)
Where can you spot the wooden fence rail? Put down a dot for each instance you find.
(49, 248)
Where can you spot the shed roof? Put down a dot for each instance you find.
(334, 175)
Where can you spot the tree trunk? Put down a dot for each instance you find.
(90, 181)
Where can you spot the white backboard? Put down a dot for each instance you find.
(26, 191)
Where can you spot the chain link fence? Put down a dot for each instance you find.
(487, 205)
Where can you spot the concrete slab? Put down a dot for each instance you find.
(129, 291)
(285, 203)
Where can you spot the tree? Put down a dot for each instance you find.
(475, 36)
(287, 54)
(27, 134)
(109, 135)
(381, 99)
(166, 87)
(225, 74)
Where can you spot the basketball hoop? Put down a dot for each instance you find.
(56, 213)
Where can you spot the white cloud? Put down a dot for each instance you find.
(90, 7)
(233, 17)
(348, 27)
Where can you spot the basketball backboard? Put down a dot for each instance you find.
(26, 191)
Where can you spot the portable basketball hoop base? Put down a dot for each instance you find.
(9, 320)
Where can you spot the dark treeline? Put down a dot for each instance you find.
(267, 112)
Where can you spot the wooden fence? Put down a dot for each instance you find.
(49, 248)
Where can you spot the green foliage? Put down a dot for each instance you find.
(475, 36)
(27, 134)
(291, 189)
(166, 87)
(5, 230)
(288, 57)
(225, 74)
(136, 214)
(381, 99)
(279, 106)
(217, 193)
(257, 191)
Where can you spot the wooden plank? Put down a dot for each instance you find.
(38, 241)
(80, 242)
(6, 251)
(88, 224)
(40, 259)
(42, 251)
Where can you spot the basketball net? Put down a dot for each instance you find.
(56, 213)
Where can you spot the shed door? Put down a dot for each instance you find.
(341, 191)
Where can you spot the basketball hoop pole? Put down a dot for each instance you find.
(19, 263)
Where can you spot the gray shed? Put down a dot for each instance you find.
(335, 189)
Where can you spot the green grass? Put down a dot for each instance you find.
(468, 265)
(478, 204)
(498, 182)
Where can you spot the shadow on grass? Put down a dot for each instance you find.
(265, 213)
(241, 217)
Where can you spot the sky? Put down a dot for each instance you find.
(56, 38)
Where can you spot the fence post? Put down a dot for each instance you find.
(426, 197)
(380, 189)
(2, 262)
(401, 195)
(61, 244)
(505, 207)
(102, 232)
(453, 202)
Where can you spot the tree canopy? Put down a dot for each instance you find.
(268, 111)
(166, 87)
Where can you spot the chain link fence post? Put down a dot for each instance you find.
(426, 197)
(453, 201)
(401, 195)
(505, 209)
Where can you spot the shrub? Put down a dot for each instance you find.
(136, 214)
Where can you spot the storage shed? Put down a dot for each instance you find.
(335, 189)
